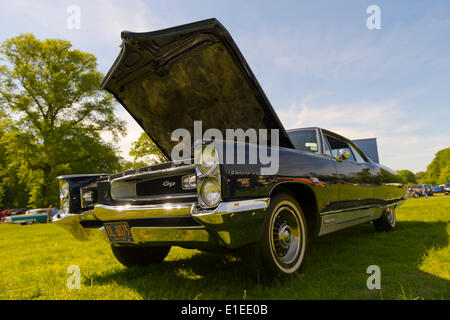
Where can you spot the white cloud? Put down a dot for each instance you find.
(400, 143)
(110, 18)
(101, 20)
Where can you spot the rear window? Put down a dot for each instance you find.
(305, 140)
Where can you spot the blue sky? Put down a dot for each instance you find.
(317, 61)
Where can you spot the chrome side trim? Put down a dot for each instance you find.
(398, 203)
(332, 221)
(342, 220)
(350, 209)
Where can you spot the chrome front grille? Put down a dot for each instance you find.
(163, 184)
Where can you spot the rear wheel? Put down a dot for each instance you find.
(387, 221)
(282, 246)
(140, 256)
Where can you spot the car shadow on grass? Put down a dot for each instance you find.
(335, 268)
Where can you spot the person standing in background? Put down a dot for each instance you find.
(49, 213)
(54, 212)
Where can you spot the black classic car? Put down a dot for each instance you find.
(169, 79)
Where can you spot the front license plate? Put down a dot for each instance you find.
(118, 232)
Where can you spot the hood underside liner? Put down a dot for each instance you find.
(170, 78)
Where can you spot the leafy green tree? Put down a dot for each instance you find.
(438, 171)
(420, 176)
(3, 161)
(13, 191)
(53, 93)
(407, 176)
(145, 151)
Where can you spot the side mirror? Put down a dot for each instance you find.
(343, 155)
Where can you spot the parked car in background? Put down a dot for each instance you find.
(29, 217)
(447, 188)
(4, 214)
(323, 183)
(412, 192)
(437, 189)
(421, 189)
(429, 189)
(15, 212)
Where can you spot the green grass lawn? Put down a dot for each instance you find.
(414, 262)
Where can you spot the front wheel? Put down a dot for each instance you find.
(140, 256)
(387, 221)
(282, 246)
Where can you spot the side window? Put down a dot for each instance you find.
(326, 147)
(305, 140)
(338, 146)
(357, 155)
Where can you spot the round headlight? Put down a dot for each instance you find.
(210, 192)
(64, 190)
(209, 161)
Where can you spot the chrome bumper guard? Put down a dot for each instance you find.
(231, 224)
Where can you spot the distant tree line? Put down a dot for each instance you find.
(438, 171)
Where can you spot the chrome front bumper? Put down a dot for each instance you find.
(231, 224)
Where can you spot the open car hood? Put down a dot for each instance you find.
(168, 79)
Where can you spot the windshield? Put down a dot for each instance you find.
(305, 140)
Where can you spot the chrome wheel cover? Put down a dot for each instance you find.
(287, 237)
(391, 216)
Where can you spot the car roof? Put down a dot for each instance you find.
(305, 128)
(322, 129)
